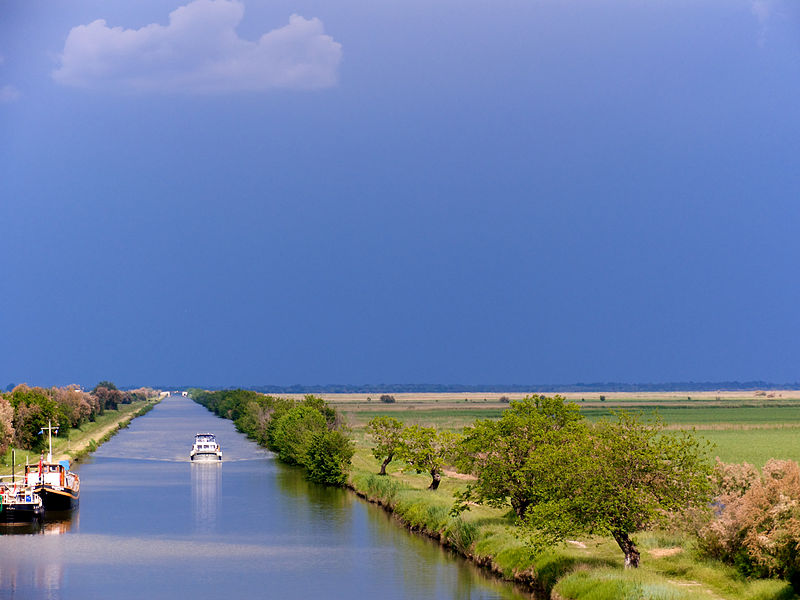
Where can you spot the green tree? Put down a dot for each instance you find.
(427, 450)
(332, 419)
(33, 410)
(109, 385)
(616, 478)
(499, 452)
(294, 431)
(328, 457)
(386, 433)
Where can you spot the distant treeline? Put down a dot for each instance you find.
(435, 388)
(25, 411)
(308, 433)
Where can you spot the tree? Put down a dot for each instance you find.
(426, 451)
(386, 433)
(108, 398)
(6, 424)
(75, 404)
(109, 385)
(498, 452)
(328, 457)
(33, 410)
(387, 398)
(617, 478)
(332, 418)
(294, 431)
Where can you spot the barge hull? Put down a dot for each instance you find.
(57, 499)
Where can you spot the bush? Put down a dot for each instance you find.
(294, 432)
(6, 425)
(328, 457)
(388, 399)
(757, 526)
(109, 399)
(76, 405)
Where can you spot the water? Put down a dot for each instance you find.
(151, 524)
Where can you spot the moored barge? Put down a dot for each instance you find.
(20, 504)
(59, 488)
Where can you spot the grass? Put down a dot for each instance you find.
(742, 428)
(585, 569)
(755, 446)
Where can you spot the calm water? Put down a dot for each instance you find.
(153, 525)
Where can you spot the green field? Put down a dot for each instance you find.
(741, 430)
(754, 446)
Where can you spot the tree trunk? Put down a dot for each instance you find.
(628, 549)
(519, 506)
(435, 479)
(386, 461)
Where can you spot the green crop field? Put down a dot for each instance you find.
(705, 415)
(755, 446)
(740, 429)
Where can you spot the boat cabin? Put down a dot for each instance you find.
(54, 474)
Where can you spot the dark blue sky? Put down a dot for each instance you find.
(507, 192)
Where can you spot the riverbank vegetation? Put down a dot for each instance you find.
(597, 483)
(627, 478)
(307, 433)
(81, 420)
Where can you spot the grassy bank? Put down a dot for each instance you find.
(84, 439)
(583, 569)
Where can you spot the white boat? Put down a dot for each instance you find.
(205, 448)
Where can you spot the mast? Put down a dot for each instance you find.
(49, 438)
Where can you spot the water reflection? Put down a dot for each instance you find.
(206, 496)
(18, 579)
(54, 523)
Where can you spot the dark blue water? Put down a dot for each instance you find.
(153, 525)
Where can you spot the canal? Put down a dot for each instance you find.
(151, 524)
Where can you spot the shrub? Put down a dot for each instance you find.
(109, 399)
(294, 432)
(6, 424)
(387, 398)
(328, 457)
(757, 526)
(76, 405)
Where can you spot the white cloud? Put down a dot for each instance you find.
(200, 51)
(9, 93)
